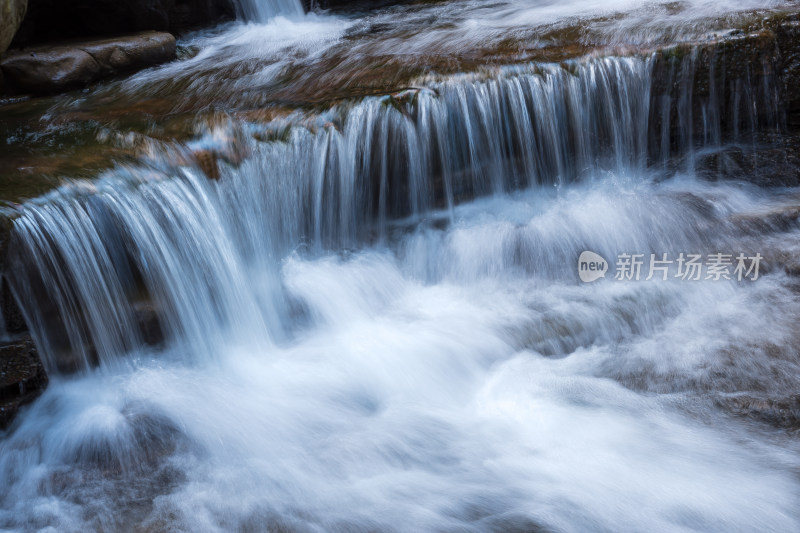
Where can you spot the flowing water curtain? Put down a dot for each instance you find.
(710, 97)
(403, 155)
(261, 11)
(79, 266)
(195, 247)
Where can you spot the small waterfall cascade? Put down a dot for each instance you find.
(261, 11)
(364, 308)
(87, 255)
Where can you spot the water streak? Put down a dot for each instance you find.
(260, 11)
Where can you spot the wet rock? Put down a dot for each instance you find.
(350, 5)
(708, 93)
(22, 378)
(783, 258)
(51, 69)
(780, 218)
(226, 142)
(782, 413)
(771, 160)
(12, 12)
(787, 261)
(711, 90)
(149, 322)
(207, 161)
(788, 41)
(12, 316)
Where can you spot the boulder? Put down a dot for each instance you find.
(11, 14)
(51, 69)
(22, 378)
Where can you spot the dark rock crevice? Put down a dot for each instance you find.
(50, 20)
(22, 378)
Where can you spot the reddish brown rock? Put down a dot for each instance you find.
(207, 161)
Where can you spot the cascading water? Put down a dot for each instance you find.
(262, 10)
(329, 184)
(372, 320)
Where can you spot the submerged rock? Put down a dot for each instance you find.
(783, 413)
(22, 378)
(149, 323)
(50, 69)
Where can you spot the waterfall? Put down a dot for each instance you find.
(261, 11)
(367, 314)
(168, 235)
(186, 243)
